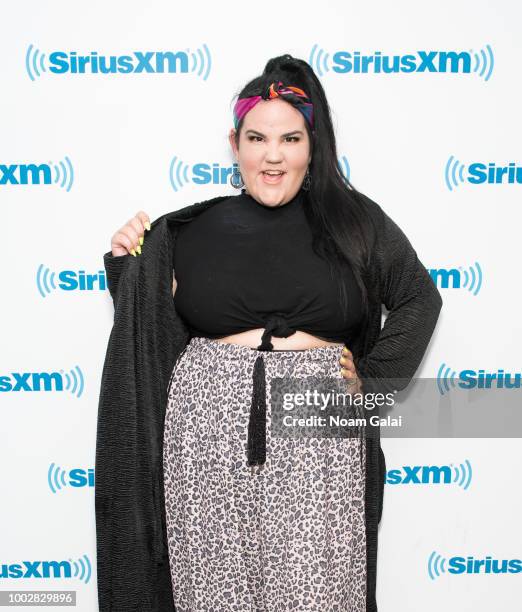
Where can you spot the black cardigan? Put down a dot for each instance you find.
(146, 339)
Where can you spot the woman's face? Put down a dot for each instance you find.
(273, 138)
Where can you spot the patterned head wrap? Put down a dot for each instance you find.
(243, 105)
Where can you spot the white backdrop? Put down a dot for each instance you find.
(108, 145)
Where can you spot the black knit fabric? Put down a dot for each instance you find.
(242, 261)
(148, 337)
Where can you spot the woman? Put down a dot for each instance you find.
(271, 283)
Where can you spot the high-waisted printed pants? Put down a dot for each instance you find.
(289, 538)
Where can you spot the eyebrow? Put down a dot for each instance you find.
(284, 135)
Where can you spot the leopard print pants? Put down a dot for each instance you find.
(289, 538)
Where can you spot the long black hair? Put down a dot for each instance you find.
(342, 229)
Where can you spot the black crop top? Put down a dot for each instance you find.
(242, 265)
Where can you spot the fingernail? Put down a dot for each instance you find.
(138, 248)
(345, 351)
(141, 240)
(132, 252)
(342, 360)
(147, 225)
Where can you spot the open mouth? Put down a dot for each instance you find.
(272, 176)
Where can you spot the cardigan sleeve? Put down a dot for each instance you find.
(114, 268)
(408, 292)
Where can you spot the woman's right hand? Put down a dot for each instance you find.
(129, 238)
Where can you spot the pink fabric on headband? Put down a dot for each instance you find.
(242, 107)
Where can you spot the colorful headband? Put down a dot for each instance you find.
(243, 105)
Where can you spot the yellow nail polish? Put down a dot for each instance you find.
(138, 249)
(342, 360)
(132, 252)
(141, 240)
(147, 225)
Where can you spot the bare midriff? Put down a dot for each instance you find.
(300, 340)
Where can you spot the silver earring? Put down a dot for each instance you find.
(307, 180)
(236, 180)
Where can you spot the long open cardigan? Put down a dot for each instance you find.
(146, 339)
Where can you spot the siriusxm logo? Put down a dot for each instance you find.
(60, 174)
(355, 62)
(71, 381)
(458, 278)
(448, 378)
(204, 173)
(58, 478)
(197, 62)
(68, 280)
(80, 569)
(480, 173)
(459, 475)
(438, 565)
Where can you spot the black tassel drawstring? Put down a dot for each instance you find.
(256, 441)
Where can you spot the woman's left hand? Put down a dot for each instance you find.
(349, 372)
